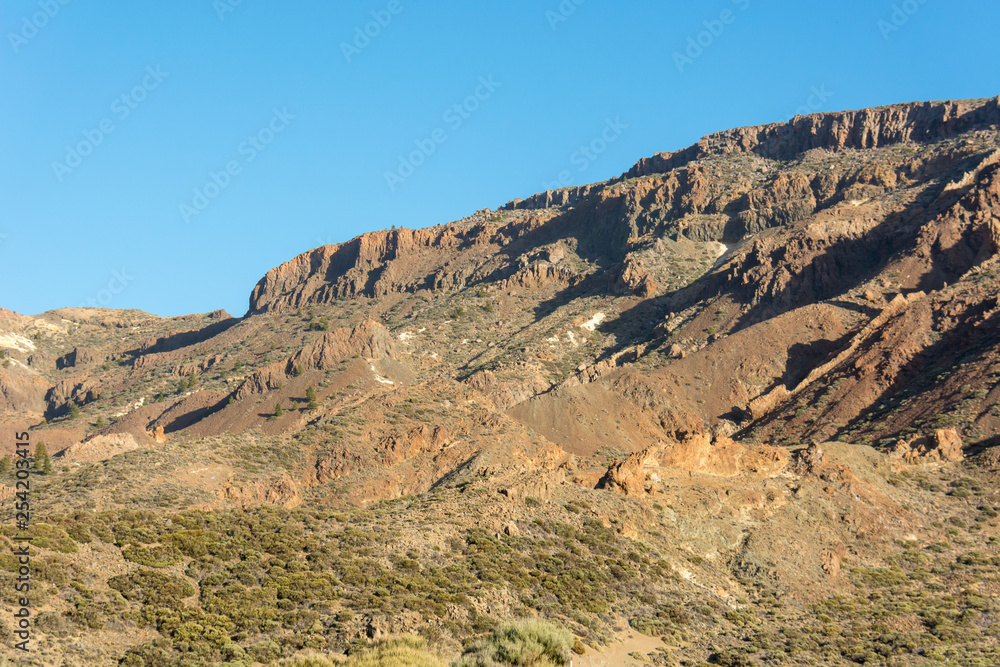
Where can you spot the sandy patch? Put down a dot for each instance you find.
(617, 653)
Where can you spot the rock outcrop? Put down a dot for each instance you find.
(637, 474)
(282, 492)
(368, 339)
(373, 264)
(22, 390)
(76, 357)
(634, 279)
(80, 390)
(943, 446)
(866, 128)
(100, 448)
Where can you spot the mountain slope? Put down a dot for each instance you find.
(759, 371)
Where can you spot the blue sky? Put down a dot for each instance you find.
(165, 155)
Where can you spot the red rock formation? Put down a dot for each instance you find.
(282, 492)
(698, 454)
(372, 264)
(943, 447)
(22, 391)
(76, 357)
(80, 390)
(866, 128)
(635, 280)
(369, 340)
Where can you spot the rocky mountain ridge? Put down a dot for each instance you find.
(766, 364)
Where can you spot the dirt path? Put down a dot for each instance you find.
(617, 653)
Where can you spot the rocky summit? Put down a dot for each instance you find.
(737, 406)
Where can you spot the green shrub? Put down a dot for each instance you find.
(152, 588)
(158, 556)
(396, 652)
(524, 642)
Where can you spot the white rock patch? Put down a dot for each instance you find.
(591, 324)
(378, 377)
(19, 343)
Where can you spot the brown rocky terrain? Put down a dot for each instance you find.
(743, 398)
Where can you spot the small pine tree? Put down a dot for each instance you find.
(74, 411)
(298, 370)
(311, 399)
(277, 410)
(231, 400)
(99, 423)
(47, 465)
(41, 453)
(192, 380)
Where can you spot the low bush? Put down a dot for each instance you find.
(527, 642)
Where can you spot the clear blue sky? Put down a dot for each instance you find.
(184, 85)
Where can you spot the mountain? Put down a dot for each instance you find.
(742, 398)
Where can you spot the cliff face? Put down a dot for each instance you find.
(372, 265)
(878, 127)
(707, 192)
